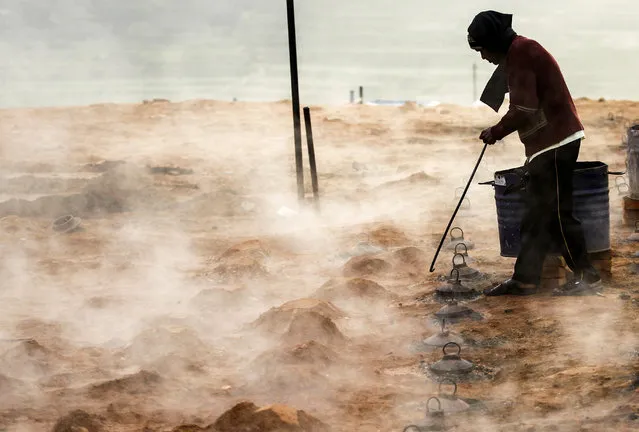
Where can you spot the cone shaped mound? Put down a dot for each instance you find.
(365, 265)
(308, 353)
(353, 288)
(310, 325)
(278, 319)
(388, 236)
(246, 416)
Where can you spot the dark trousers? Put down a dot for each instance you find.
(549, 218)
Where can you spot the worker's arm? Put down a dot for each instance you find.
(524, 102)
(513, 120)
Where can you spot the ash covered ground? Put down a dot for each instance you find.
(197, 295)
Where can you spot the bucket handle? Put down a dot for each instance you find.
(452, 343)
(448, 381)
(465, 249)
(487, 183)
(411, 427)
(453, 237)
(616, 173)
(439, 404)
(456, 266)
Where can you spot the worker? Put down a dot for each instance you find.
(542, 111)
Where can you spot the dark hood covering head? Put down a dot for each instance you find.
(491, 30)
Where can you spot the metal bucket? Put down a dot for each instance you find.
(591, 207)
(632, 160)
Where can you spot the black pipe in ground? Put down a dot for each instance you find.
(311, 156)
(295, 95)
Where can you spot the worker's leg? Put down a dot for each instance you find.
(534, 231)
(568, 228)
(536, 235)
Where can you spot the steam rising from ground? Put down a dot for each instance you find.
(208, 287)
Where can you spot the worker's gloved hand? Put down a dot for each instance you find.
(487, 136)
(524, 176)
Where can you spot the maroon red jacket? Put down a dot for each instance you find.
(541, 107)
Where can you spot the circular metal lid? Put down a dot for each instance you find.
(441, 339)
(434, 419)
(454, 241)
(465, 272)
(450, 402)
(455, 287)
(66, 223)
(453, 310)
(451, 363)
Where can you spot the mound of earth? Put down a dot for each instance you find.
(309, 325)
(358, 288)
(365, 265)
(157, 342)
(29, 358)
(48, 206)
(410, 255)
(192, 428)
(309, 353)
(278, 319)
(141, 383)
(253, 248)
(32, 327)
(237, 268)
(248, 417)
(410, 259)
(79, 421)
(244, 260)
(388, 236)
(410, 181)
(124, 187)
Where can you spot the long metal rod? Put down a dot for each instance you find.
(295, 95)
(311, 156)
(439, 248)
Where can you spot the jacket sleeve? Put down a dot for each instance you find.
(522, 85)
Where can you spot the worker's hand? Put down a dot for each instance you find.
(487, 137)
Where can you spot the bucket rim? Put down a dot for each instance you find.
(580, 166)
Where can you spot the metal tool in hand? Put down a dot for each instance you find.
(461, 200)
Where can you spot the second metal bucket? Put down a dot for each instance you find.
(591, 207)
(632, 160)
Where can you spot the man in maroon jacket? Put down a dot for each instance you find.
(544, 115)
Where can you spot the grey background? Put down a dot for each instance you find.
(70, 52)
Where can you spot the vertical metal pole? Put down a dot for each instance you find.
(361, 94)
(474, 82)
(311, 156)
(295, 93)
